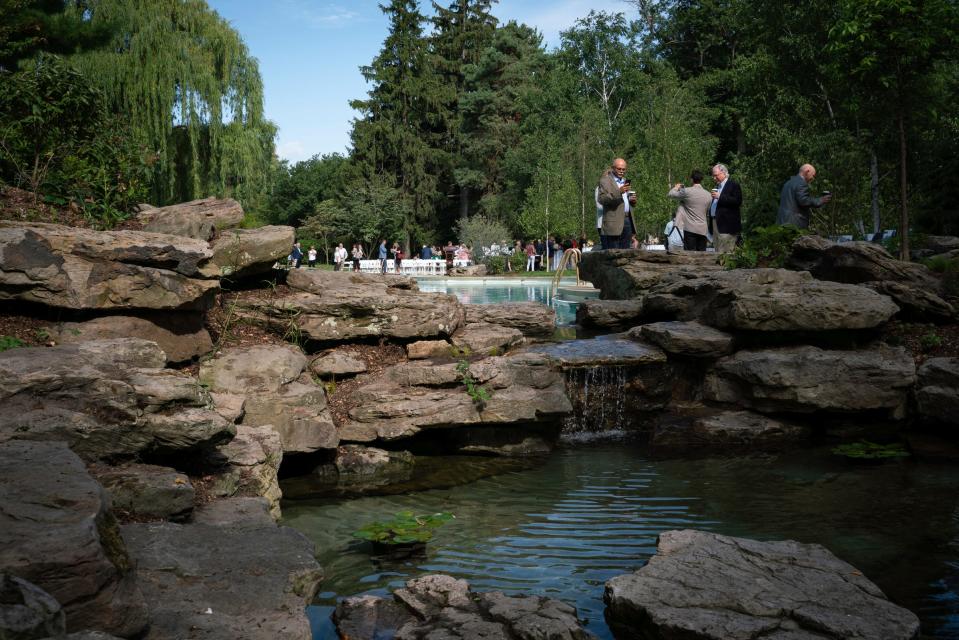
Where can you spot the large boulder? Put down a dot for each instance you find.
(330, 306)
(937, 391)
(532, 319)
(239, 253)
(768, 300)
(439, 607)
(182, 336)
(624, 274)
(57, 532)
(278, 391)
(706, 586)
(147, 491)
(232, 573)
(82, 269)
(804, 379)
(726, 430)
(28, 612)
(916, 289)
(410, 397)
(609, 314)
(107, 399)
(199, 219)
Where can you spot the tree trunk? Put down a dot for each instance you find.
(874, 188)
(464, 202)
(903, 191)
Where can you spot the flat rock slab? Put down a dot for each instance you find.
(181, 336)
(424, 349)
(608, 351)
(56, 531)
(486, 338)
(225, 577)
(107, 399)
(624, 274)
(768, 300)
(147, 490)
(937, 391)
(240, 253)
(609, 314)
(331, 306)
(410, 397)
(690, 339)
(805, 379)
(337, 364)
(707, 586)
(198, 219)
(439, 607)
(532, 319)
(82, 269)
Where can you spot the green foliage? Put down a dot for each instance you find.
(404, 529)
(865, 450)
(479, 232)
(9, 342)
(763, 247)
(929, 341)
(480, 395)
(299, 189)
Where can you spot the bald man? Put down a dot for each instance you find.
(613, 194)
(795, 203)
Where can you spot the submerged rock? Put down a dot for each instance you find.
(230, 574)
(726, 430)
(439, 607)
(707, 586)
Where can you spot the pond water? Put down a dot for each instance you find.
(592, 511)
(493, 290)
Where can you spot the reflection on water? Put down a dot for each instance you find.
(593, 512)
(493, 290)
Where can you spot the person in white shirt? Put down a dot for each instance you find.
(311, 257)
(339, 257)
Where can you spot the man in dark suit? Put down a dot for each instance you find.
(725, 210)
(795, 203)
(618, 200)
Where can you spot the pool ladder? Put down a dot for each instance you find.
(570, 260)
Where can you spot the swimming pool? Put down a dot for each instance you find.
(493, 290)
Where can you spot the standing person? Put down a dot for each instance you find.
(296, 255)
(795, 203)
(530, 256)
(382, 255)
(694, 203)
(339, 257)
(540, 253)
(357, 254)
(311, 257)
(618, 201)
(725, 210)
(426, 253)
(397, 256)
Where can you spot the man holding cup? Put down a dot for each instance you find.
(725, 210)
(617, 199)
(795, 203)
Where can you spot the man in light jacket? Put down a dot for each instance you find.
(694, 203)
(618, 200)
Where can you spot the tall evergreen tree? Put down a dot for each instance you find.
(185, 79)
(462, 31)
(392, 137)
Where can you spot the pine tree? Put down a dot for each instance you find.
(392, 139)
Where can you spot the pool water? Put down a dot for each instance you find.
(493, 290)
(593, 511)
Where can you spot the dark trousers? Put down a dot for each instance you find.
(622, 241)
(694, 241)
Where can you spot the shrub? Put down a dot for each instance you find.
(764, 247)
(9, 342)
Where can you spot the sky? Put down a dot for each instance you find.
(310, 52)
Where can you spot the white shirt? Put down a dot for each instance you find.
(621, 182)
(712, 207)
(312, 254)
(340, 254)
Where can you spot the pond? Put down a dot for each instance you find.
(592, 511)
(493, 290)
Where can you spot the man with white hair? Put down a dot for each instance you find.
(795, 203)
(725, 210)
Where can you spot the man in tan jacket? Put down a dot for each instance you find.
(617, 199)
(694, 203)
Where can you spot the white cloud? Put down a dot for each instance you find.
(292, 150)
(323, 15)
(549, 19)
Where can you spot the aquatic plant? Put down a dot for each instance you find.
(865, 450)
(405, 528)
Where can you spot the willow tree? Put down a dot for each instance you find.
(184, 77)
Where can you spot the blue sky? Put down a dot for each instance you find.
(310, 52)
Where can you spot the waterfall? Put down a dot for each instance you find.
(598, 395)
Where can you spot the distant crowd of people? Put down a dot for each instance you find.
(701, 216)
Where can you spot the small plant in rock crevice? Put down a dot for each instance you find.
(480, 395)
(9, 342)
(929, 341)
